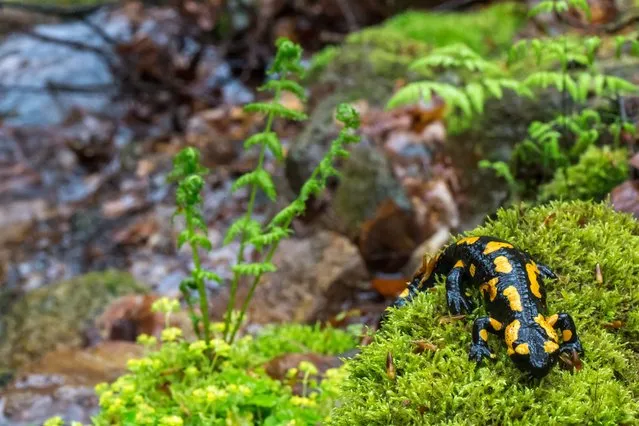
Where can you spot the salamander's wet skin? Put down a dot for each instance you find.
(511, 283)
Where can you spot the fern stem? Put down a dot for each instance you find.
(243, 239)
(257, 278)
(199, 280)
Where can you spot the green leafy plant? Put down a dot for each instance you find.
(188, 171)
(569, 66)
(176, 384)
(265, 238)
(462, 78)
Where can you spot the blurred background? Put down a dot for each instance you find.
(97, 97)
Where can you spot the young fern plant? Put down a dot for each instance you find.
(286, 65)
(471, 81)
(189, 173)
(279, 227)
(561, 141)
(265, 239)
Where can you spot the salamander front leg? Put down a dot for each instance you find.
(571, 341)
(481, 327)
(456, 299)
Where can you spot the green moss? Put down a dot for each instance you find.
(58, 314)
(485, 31)
(389, 48)
(299, 338)
(444, 387)
(598, 171)
(176, 384)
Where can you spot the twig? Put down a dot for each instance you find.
(348, 14)
(58, 87)
(69, 43)
(61, 12)
(631, 17)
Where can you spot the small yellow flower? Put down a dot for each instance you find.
(220, 347)
(245, 390)
(308, 367)
(165, 305)
(197, 347)
(191, 371)
(217, 327)
(199, 394)
(146, 340)
(54, 421)
(171, 334)
(213, 393)
(303, 402)
(171, 421)
(105, 398)
(101, 387)
(291, 373)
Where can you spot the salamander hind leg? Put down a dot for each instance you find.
(479, 348)
(455, 297)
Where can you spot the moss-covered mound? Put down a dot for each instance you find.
(598, 171)
(57, 315)
(444, 387)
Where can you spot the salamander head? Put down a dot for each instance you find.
(535, 350)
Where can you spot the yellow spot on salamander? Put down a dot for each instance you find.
(539, 319)
(472, 270)
(489, 287)
(484, 335)
(404, 293)
(496, 245)
(468, 240)
(532, 271)
(552, 320)
(510, 351)
(550, 347)
(459, 264)
(513, 298)
(566, 335)
(502, 265)
(512, 333)
(495, 324)
(522, 349)
(426, 270)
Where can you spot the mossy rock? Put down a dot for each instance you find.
(389, 48)
(58, 314)
(444, 387)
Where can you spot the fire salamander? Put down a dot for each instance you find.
(511, 283)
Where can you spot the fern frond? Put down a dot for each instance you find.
(619, 85)
(275, 235)
(287, 214)
(276, 109)
(269, 139)
(259, 177)
(545, 6)
(254, 269)
(285, 85)
(244, 225)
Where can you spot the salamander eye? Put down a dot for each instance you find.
(522, 349)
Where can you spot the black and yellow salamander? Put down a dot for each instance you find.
(511, 283)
